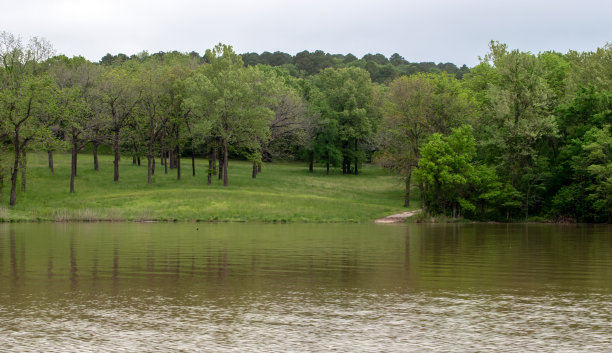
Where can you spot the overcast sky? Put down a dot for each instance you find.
(455, 31)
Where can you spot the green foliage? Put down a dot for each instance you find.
(343, 99)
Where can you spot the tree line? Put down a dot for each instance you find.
(519, 135)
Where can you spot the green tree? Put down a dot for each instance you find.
(345, 97)
(234, 102)
(414, 108)
(518, 121)
(116, 93)
(27, 99)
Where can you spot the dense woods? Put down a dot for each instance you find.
(520, 136)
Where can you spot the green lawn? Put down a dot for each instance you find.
(283, 192)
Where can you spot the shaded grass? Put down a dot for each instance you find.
(283, 192)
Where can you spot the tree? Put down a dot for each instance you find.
(344, 102)
(74, 78)
(154, 103)
(518, 118)
(26, 99)
(232, 101)
(313, 63)
(414, 108)
(116, 92)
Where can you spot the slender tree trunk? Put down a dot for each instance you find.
(116, 161)
(527, 203)
(192, 159)
(165, 160)
(221, 164)
(327, 168)
(214, 160)
(95, 155)
(407, 194)
(51, 161)
(172, 157)
(178, 163)
(138, 160)
(344, 171)
(153, 163)
(210, 165)
(225, 163)
(150, 159)
(73, 167)
(133, 159)
(254, 174)
(76, 150)
(24, 162)
(423, 205)
(311, 164)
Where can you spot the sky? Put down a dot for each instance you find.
(456, 31)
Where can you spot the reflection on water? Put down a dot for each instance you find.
(346, 288)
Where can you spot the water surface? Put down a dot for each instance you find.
(305, 287)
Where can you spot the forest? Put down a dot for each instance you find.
(518, 137)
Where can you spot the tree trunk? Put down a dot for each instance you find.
(356, 157)
(327, 168)
(134, 159)
(138, 160)
(172, 161)
(95, 155)
(221, 164)
(73, 167)
(178, 163)
(192, 159)
(214, 160)
(116, 161)
(527, 203)
(210, 165)
(254, 174)
(153, 163)
(423, 205)
(311, 164)
(407, 194)
(344, 171)
(51, 161)
(150, 159)
(165, 161)
(258, 168)
(23, 169)
(225, 163)
(76, 149)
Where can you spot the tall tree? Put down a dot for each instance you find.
(414, 108)
(26, 98)
(233, 101)
(345, 96)
(117, 94)
(518, 119)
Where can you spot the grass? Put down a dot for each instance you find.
(283, 192)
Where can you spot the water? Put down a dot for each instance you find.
(303, 287)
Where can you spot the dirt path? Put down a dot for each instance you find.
(397, 218)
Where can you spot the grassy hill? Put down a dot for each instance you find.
(283, 192)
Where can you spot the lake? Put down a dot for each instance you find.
(81, 287)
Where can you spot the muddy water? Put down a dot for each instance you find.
(302, 287)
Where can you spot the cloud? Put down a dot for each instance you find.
(443, 30)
